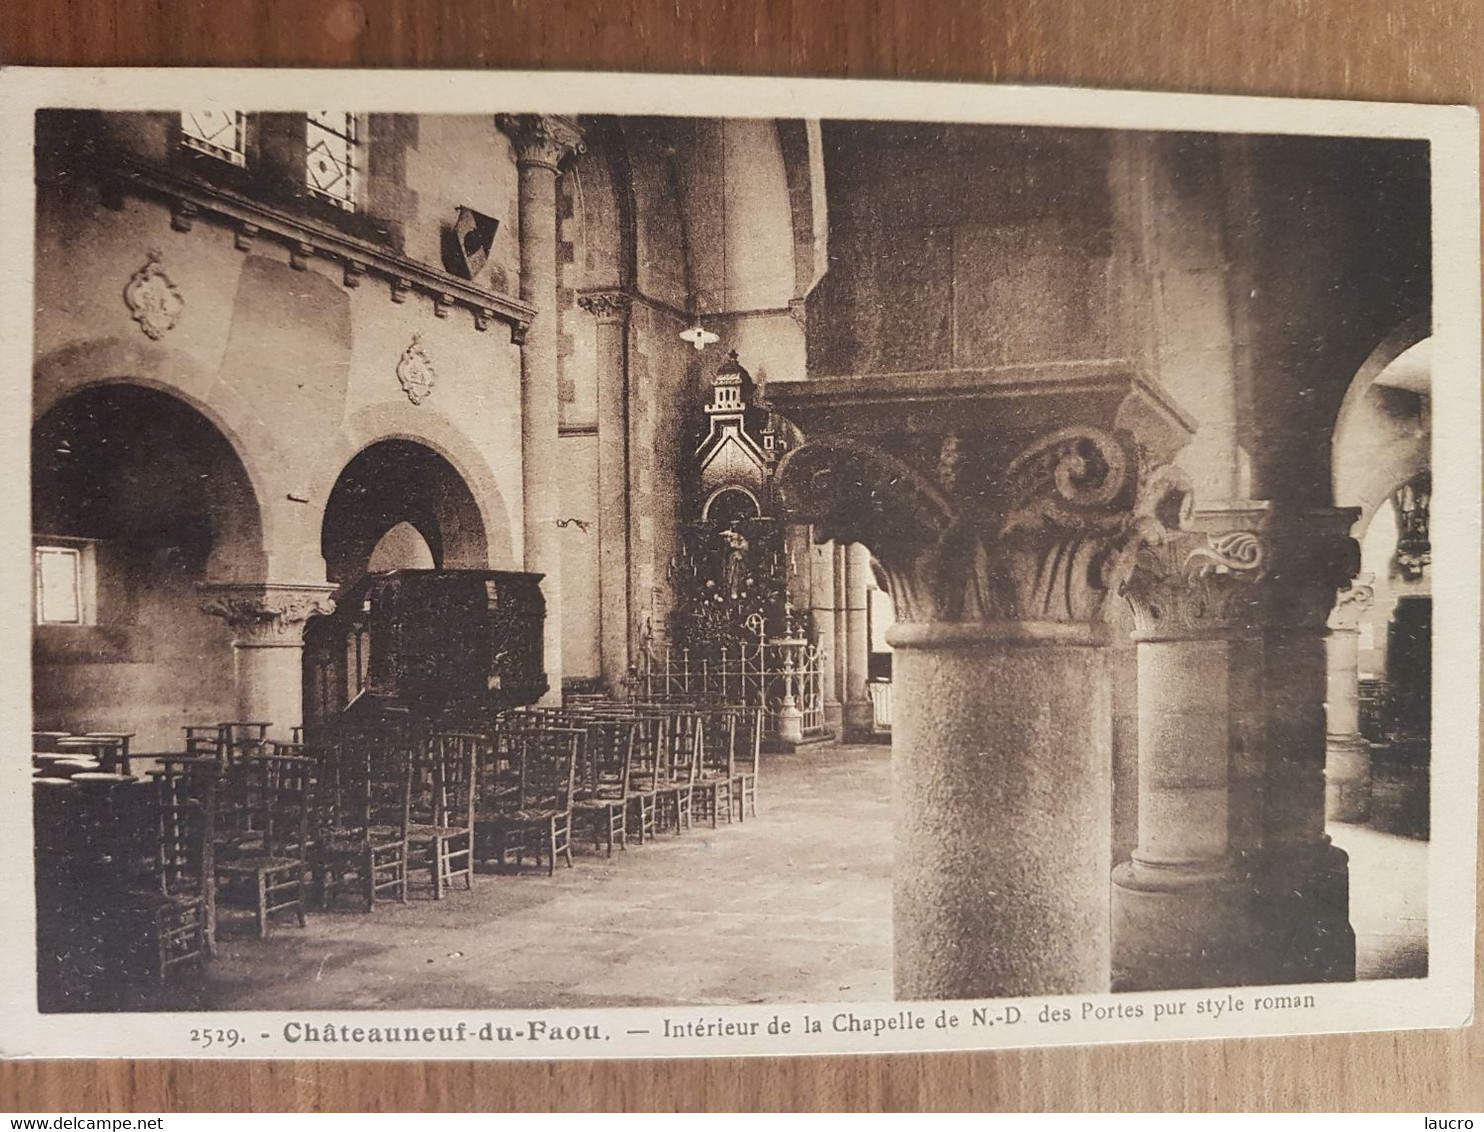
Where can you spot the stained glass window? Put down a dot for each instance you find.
(221, 133)
(331, 156)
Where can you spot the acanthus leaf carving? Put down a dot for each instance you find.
(541, 139)
(1197, 583)
(266, 614)
(606, 306)
(1050, 536)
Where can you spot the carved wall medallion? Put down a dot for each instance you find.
(415, 371)
(152, 299)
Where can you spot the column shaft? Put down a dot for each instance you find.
(1181, 914)
(541, 143)
(842, 621)
(1347, 762)
(270, 684)
(615, 646)
(1000, 746)
(822, 605)
(1302, 882)
(856, 701)
(541, 486)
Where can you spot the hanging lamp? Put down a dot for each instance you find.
(697, 335)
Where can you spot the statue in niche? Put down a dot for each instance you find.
(734, 571)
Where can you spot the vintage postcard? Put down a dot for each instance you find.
(553, 565)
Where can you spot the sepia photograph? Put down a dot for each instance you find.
(653, 574)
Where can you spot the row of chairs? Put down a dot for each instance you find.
(646, 768)
(273, 828)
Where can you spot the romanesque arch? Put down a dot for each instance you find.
(151, 501)
(396, 482)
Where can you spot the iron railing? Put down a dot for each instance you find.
(782, 676)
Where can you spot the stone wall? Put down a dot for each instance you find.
(289, 356)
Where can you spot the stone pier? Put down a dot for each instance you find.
(541, 142)
(1347, 761)
(1004, 517)
(267, 622)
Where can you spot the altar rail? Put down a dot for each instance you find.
(780, 676)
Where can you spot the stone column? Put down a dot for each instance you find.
(1347, 760)
(856, 701)
(267, 623)
(1003, 520)
(842, 627)
(1181, 904)
(541, 143)
(611, 310)
(822, 605)
(1301, 880)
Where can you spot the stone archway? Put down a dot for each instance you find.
(153, 502)
(1382, 440)
(394, 482)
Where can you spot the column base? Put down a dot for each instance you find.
(1177, 928)
(858, 719)
(834, 717)
(790, 724)
(1347, 778)
(1301, 905)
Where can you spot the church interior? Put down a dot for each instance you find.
(526, 560)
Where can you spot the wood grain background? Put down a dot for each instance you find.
(1404, 50)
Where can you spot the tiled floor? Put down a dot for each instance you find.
(794, 906)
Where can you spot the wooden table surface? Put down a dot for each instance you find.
(1397, 50)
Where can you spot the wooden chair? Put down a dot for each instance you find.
(747, 746)
(112, 750)
(647, 775)
(242, 738)
(440, 835)
(164, 917)
(682, 758)
(204, 739)
(541, 825)
(362, 831)
(712, 792)
(602, 798)
(266, 867)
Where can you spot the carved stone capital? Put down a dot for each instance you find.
(964, 536)
(544, 140)
(1351, 604)
(1307, 557)
(265, 614)
(1015, 495)
(1197, 583)
(989, 498)
(606, 306)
